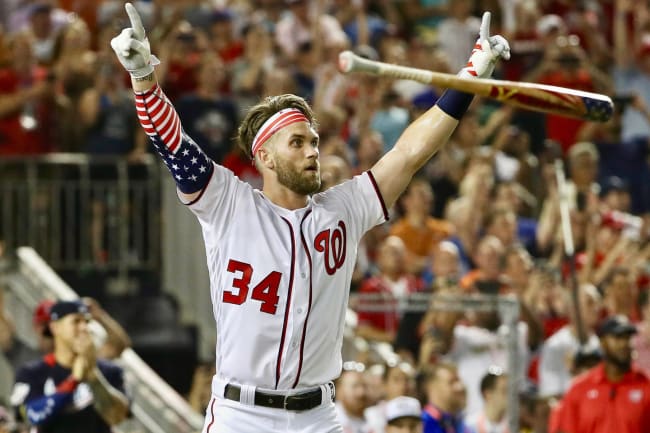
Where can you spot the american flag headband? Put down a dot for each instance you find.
(274, 123)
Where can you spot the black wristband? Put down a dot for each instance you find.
(455, 103)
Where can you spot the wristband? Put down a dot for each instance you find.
(145, 70)
(455, 103)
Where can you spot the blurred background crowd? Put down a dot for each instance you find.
(482, 217)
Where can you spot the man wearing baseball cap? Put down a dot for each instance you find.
(70, 390)
(403, 415)
(614, 396)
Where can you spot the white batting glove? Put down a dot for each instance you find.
(486, 52)
(132, 47)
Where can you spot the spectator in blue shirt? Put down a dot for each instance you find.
(70, 390)
(444, 393)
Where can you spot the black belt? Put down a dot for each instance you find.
(296, 402)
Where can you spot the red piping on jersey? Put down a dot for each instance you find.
(286, 308)
(198, 197)
(381, 198)
(50, 359)
(304, 328)
(211, 415)
(433, 411)
(68, 385)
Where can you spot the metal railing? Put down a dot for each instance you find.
(155, 405)
(506, 306)
(82, 211)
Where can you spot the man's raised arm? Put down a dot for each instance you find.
(428, 133)
(190, 167)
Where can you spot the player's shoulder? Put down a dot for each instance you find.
(223, 175)
(586, 380)
(33, 370)
(342, 188)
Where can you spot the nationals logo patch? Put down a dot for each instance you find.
(332, 243)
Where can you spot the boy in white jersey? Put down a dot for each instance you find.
(281, 259)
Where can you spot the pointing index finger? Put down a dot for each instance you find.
(136, 22)
(484, 32)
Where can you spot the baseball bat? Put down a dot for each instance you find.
(569, 249)
(530, 96)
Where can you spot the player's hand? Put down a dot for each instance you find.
(79, 368)
(132, 47)
(486, 52)
(84, 346)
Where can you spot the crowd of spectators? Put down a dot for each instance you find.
(483, 215)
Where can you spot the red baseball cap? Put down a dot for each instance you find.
(41, 315)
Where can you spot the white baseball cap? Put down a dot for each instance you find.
(403, 407)
(550, 22)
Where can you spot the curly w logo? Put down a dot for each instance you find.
(332, 243)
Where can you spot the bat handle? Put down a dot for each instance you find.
(350, 62)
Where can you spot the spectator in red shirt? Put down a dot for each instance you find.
(387, 288)
(614, 396)
(223, 37)
(641, 341)
(180, 54)
(27, 102)
(566, 64)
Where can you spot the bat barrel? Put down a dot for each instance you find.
(529, 96)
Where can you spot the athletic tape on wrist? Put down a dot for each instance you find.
(455, 103)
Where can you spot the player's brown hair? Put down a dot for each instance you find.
(258, 114)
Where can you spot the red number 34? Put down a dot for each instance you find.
(266, 291)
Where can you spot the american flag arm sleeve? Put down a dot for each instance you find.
(188, 164)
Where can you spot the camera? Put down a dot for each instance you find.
(622, 100)
(568, 60)
(186, 36)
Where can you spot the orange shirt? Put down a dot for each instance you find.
(593, 404)
(421, 240)
(474, 282)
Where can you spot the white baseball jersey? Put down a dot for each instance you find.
(279, 278)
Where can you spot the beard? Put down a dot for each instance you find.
(300, 182)
(622, 362)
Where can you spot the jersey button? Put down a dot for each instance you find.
(303, 275)
(299, 310)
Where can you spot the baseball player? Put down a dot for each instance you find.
(280, 260)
